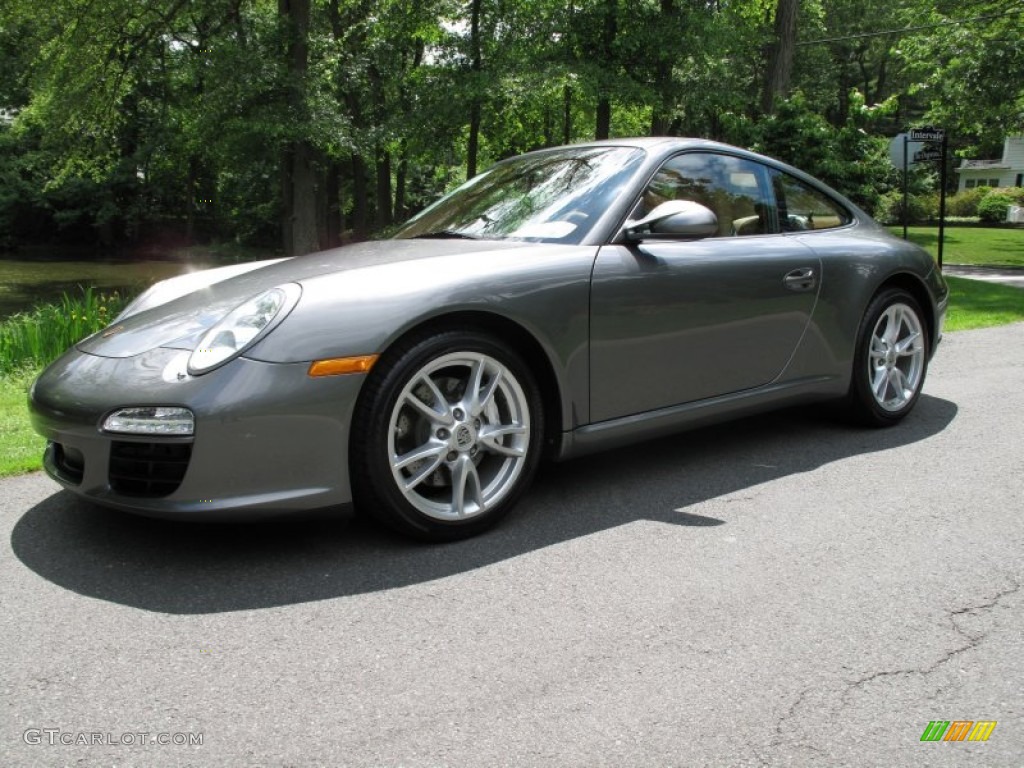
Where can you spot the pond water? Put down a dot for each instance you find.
(25, 282)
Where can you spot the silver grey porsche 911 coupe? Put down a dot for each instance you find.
(562, 302)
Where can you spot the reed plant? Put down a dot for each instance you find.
(34, 338)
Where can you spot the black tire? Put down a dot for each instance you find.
(446, 435)
(891, 360)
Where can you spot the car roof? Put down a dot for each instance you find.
(658, 148)
(657, 144)
(646, 142)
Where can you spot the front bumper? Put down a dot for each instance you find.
(268, 439)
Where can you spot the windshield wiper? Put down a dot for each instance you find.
(445, 233)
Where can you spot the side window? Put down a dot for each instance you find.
(803, 208)
(737, 190)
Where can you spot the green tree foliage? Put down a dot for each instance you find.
(968, 76)
(306, 122)
(848, 156)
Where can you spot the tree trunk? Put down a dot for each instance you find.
(780, 56)
(192, 185)
(335, 214)
(383, 164)
(299, 176)
(661, 115)
(305, 233)
(473, 144)
(476, 66)
(602, 129)
(335, 175)
(566, 114)
(401, 174)
(570, 55)
(360, 202)
(401, 212)
(604, 118)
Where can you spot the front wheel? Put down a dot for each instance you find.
(891, 359)
(446, 436)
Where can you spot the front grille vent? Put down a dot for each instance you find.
(68, 462)
(147, 470)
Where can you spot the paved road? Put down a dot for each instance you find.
(785, 592)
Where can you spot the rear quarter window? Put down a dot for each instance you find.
(803, 208)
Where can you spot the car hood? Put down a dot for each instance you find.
(187, 307)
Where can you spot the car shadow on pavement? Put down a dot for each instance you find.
(195, 568)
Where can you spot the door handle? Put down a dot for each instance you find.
(802, 279)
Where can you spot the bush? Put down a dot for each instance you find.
(965, 203)
(992, 208)
(921, 208)
(1016, 194)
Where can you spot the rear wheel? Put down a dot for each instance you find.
(891, 359)
(446, 436)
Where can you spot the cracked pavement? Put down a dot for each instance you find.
(784, 591)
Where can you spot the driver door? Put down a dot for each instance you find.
(677, 321)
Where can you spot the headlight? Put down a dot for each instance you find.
(149, 420)
(242, 327)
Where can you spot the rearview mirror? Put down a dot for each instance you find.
(675, 219)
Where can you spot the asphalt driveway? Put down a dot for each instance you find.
(785, 591)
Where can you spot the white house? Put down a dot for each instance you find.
(1007, 172)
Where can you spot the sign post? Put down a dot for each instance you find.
(942, 199)
(935, 147)
(906, 197)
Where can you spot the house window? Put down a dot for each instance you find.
(1020, 179)
(969, 184)
(993, 183)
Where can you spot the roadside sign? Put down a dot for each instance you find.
(928, 133)
(922, 145)
(927, 154)
(902, 151)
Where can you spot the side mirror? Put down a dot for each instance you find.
(675, 219)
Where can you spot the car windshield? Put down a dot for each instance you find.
(554, 197)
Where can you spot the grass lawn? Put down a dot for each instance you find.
(21, 449)
(976, 304)
(978, 246)
(973, 304)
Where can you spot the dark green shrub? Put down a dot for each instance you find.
(921, 208)
(992, 208)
